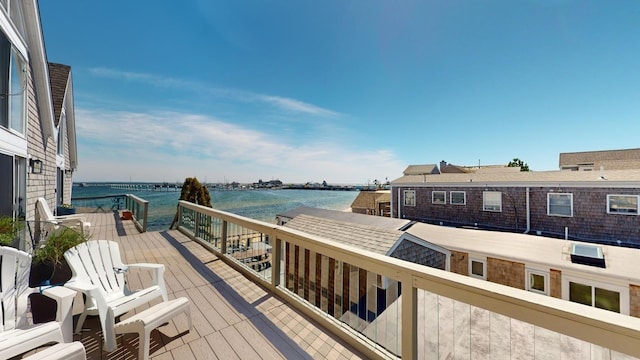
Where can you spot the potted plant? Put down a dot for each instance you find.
(49, 268)
(66, 209)
(10, 231)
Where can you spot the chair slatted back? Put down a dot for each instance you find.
(97, 262)
(14, 287)
(44, 210)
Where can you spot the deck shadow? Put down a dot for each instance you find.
(119, 226)
(271, 332)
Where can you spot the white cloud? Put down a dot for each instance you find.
(282, 103)
(169, 146)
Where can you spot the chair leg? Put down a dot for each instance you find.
(81, 320)
(144, 344)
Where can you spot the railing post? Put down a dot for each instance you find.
(276, 250)
(145, 216)
(196, 224)
(409, 318)
(223, 240)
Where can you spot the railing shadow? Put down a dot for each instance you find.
(119, 226)
(272, 333)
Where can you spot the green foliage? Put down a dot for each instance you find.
(9, 230)
(193, 191)
(56, 244)
(518, 163)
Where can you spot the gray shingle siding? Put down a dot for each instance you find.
(590, 220)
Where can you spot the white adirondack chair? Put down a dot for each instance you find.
(17, 336)
(98, 272)
(77, 221)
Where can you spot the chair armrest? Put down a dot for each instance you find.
(149, 266)
(85, 288)
(68, 217)
(64, 312)
(157, 275)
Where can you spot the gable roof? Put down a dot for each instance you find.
(378, 240)
(59, 77)
(369, 199)
(427, 169)
(610, 159)
(344, 216)
(607, 178)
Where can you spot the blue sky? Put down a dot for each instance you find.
(342, 91)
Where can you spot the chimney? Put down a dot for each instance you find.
(443, 164)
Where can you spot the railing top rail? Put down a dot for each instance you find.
(588, 323)
(137, 199)
(97, 197)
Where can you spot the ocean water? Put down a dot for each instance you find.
(261, 205)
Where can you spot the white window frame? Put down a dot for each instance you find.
(483, 261)
(439, 192)
(550, 195)
(621, 289)
(411, 197)
(528, 284)
(464, 197)
(484, 201)
(609, 211)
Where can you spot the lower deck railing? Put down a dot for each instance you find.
(390, 308)
(139, 207)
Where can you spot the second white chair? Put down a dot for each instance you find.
(98, 272)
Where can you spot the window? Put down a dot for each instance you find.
(559, 204)
(439, 197)
(61, 133)
(492, 201)
(597, 294)
(409, 198)
(537, 281)
(478, 268)
(457, 198)
(594, 296)
(12, 87)
(622, 204)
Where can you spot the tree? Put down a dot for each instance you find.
(518, 163)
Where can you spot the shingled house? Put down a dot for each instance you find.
(594, 160)
(37, 132)
(594, 206)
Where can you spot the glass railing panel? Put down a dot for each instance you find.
(188, 220)
(450, 329)
(250, 248)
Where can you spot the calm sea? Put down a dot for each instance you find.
(256, 204)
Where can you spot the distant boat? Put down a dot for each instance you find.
(84, 184)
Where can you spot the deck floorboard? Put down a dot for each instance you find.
(233, 318)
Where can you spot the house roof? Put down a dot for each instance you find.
(369, 199)
(421, 169)
(610, 159)
(621, 262)
(375, 239)
(606, 178)
(59, 77)
(454, 169)
(362, 219)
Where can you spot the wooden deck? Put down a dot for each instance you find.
(233, 318)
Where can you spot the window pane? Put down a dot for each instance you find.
(477, 268)
(410, 198)
(5, 55)
(560, 204)
(580, 293)
(18, 85)
(439, 197)
(623, 204)
(492, 200)
(457, 197)
(608, 300)
(536, 282)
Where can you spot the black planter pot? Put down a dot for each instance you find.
(45, 275)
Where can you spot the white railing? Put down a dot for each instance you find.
(139, 209)
(388, 307)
